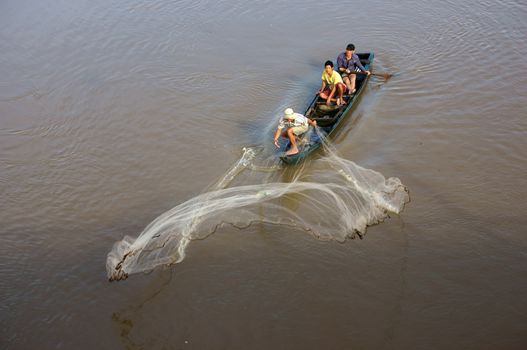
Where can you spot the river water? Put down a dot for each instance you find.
(113, 112)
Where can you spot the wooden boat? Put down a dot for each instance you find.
(328, 117)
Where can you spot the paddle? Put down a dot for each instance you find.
(386, 76)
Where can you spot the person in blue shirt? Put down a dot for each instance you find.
(348, 62)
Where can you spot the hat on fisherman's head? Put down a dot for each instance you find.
(289, 113)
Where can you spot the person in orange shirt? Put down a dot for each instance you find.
(331, 84)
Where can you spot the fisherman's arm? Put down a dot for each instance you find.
(332, 93)
(277, 136)
(340, 64)
(359, 64)
(322, 87)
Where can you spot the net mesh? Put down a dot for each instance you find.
(330, 197)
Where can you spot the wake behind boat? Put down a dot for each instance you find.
(328, 118)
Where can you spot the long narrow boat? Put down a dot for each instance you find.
(328, 117)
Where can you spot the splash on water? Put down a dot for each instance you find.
(330, 197)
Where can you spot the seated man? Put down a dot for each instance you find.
(331, 83)
(296, 125)
(348, 62)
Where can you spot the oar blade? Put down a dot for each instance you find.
(385, 75)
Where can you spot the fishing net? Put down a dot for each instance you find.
(330, 197)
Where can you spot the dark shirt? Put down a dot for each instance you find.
(351, 64)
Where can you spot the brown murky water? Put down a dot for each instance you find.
(113, 112)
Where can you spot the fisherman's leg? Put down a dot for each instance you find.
(332, 96)
(325, 94)
(353, 77)
(347, 82)
(340, 88)
(292, 138)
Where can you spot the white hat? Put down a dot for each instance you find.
(288, 113)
